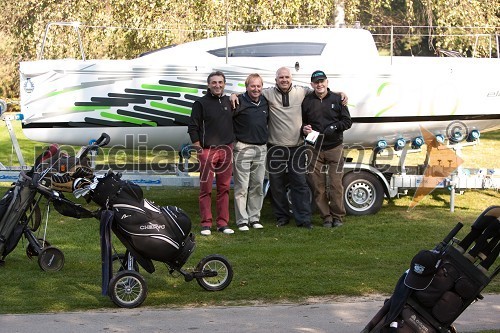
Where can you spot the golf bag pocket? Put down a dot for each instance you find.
(149, 231)
(443, 281)
(68, 208)
(412, 320)
(465, 288)
(112, 189)
(5, 201)
(448, 307)
(106, 189)
(179, 219)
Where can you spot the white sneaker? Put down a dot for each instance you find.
(243, 227)
(226, 230)
(205, 231)
(256, 225)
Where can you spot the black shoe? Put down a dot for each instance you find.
(337, 223)
(205, 231)
(282, 223)
(306, 226)
(225, 230)
(327, 224)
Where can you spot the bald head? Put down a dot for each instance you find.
(284, 78)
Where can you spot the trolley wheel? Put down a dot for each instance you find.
(120, 263)
(51, 259)
(127, 289)
(32, 252)
(220, 265)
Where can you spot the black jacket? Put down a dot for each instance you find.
(211, 121)
(327, 116)
(250, 120)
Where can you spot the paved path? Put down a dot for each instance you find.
(347, 316)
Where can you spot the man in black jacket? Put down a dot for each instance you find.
(324, 120)
(211, 132)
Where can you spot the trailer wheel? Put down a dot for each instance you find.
(363, 193)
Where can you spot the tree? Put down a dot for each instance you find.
(139, 26)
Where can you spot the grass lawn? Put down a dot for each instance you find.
(365, 256)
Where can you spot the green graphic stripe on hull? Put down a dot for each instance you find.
(83, 108)
(83, 85)
(169, 88)
(63, 91)
(183, 84)
(172, 108)
(381, 112)
(127, 119)
(159, 121)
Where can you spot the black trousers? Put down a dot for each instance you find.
(287, 166)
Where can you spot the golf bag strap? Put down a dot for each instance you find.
(105, 236)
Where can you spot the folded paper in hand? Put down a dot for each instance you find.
(311, 137)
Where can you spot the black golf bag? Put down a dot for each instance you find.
(17, 208)
(148, 231)
(441, 283)
(52, 173)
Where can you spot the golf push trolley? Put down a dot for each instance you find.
(149, 232)
(443, 282)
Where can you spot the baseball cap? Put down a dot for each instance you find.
(423, 267)
(318, 75)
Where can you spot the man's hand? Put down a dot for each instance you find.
(234, 100)
(344, 98)
(196, 147)
(307, 129)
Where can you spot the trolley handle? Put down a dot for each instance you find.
(441, 246)
(102, 141)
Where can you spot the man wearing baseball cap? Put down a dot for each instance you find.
(324, 120)
(286, 161)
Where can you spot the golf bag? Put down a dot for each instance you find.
(52, 173)
(441, 283)
(148, 231)
(17, 207)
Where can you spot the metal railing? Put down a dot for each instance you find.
(385, 36)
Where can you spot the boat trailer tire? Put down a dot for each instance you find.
(363, 193)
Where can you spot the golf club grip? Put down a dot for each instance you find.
(452, 233)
